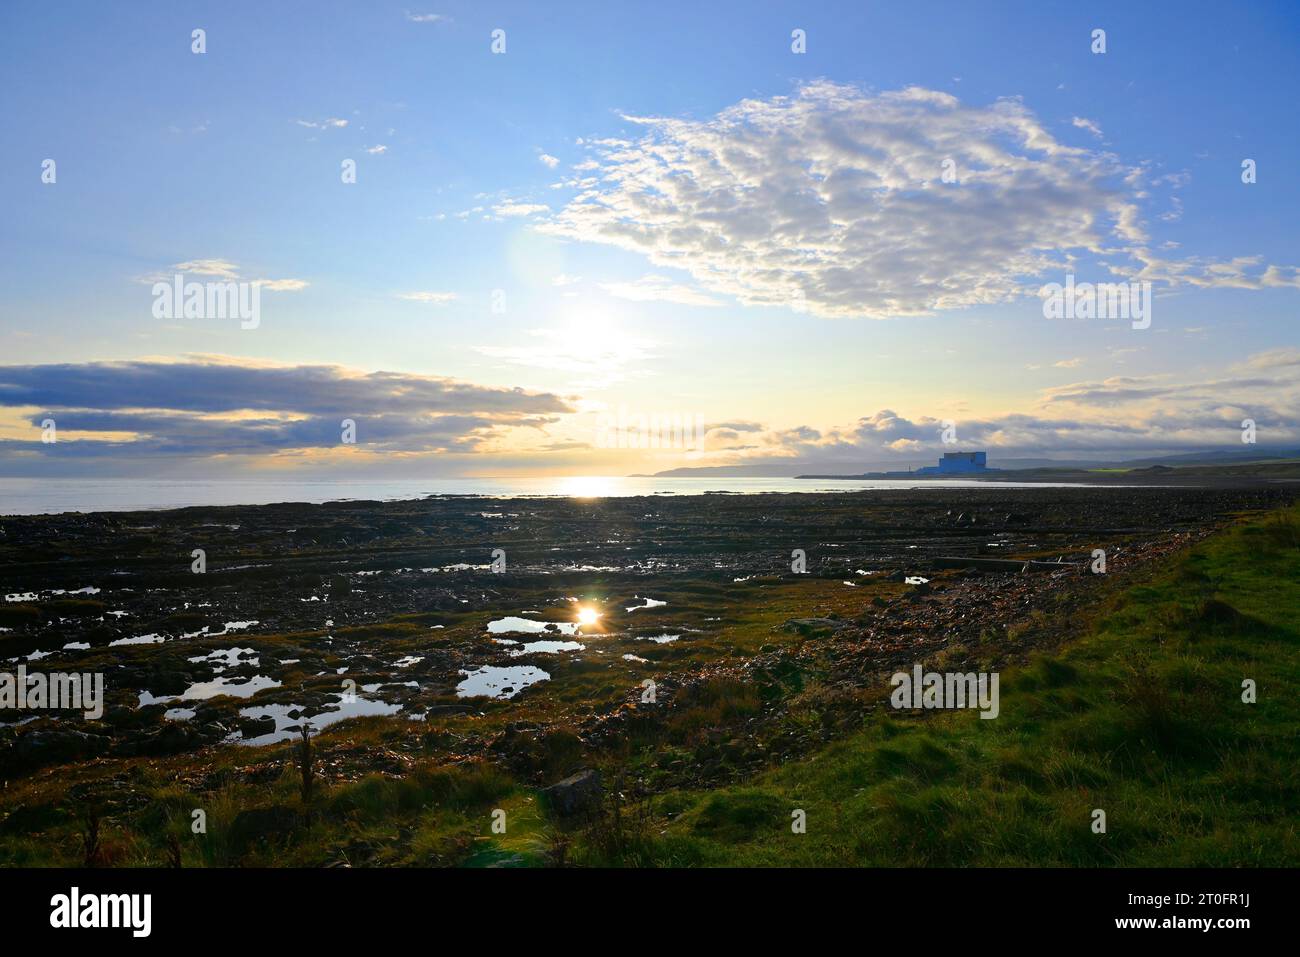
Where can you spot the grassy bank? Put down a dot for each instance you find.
(1143, 719)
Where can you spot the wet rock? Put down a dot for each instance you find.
(37, 748)
(256, 727)
(575, 793)
(174, 737)
(119, 717)
(167, 682)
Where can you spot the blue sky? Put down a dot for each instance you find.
(477, 172)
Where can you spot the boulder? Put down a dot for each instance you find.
(42, 747)
(576, 793)
(256, 727)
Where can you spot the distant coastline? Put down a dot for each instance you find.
(26, 496)
(1284, 470)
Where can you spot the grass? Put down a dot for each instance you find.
(431, 816)
(1142, 718)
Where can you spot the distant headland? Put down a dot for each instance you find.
(952, 465)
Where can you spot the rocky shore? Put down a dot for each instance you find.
(394, 612)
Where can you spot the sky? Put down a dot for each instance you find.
(527, 239)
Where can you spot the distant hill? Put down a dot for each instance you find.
(1254, 454)
(827, 470)
(732, 471)
(1226, 473)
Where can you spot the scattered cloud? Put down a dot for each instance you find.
(225, 271)
(658, 289)
(1115, 417)
(1273, 359)
(1086, 124)
(833, 199)
(1243, 272)
(221, 268)
(547, 160)
(282, 285)
(512, 208)
(332, 123)
(209, 406)
(431, 297)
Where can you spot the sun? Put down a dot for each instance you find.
(588, 615)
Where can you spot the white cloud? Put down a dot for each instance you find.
(430, 297)
(225, 270)
(1068, 364)
(547, 160)
(1242, 272)
(427, 17)
(512, 208)
(834, 198)
(1086, 124)
(282, 285)
(658, 289)
(332, 123)
(1115, 417)
(222, 268)
(377, 150)
(1273, 359)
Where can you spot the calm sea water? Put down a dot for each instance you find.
(44, 496)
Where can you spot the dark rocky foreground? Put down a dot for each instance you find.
(322, 612)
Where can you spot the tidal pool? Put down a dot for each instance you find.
(139, 640)
(200, 690)
(493, 682)
(546, 648)
(514, 625)
(229, 658)
(649, 603)
(287, 728)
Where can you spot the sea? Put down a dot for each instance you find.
(26, 496)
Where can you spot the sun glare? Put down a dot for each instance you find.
(587, 486)
(588, 615)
